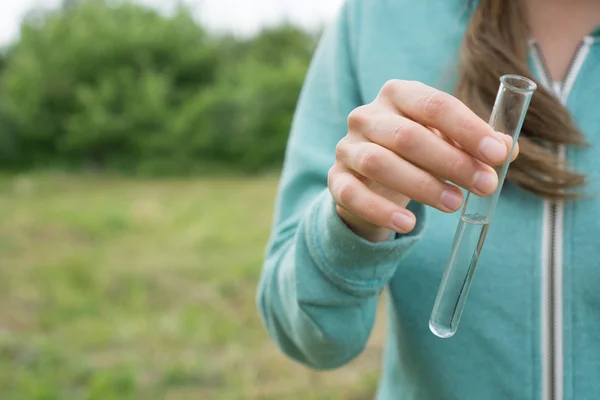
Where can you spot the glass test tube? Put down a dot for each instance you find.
(507, 117)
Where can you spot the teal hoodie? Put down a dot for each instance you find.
(531, 326)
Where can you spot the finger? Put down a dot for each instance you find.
(449, 140)
(515, 152)
(386, 168)
(507, 139)
(509, 144)
(430, 152)
(352, 195)
(432, 107)
(443, 137)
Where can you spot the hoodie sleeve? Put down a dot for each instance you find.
(320, 282)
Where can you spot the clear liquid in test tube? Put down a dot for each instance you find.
(508, 114)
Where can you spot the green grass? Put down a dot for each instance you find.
(114, 288)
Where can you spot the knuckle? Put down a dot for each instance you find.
(416, 85)
(346, 192)
(434, 104)
(358, 117)
(391, 87)
(404, 137)
(457, 168)
(371, 210)
(331, 175)
(341, 150)
(466, 126)
(369, 162)
(422, 189)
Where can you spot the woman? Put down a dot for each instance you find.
(375, 165)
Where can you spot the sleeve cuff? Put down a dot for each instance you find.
(345, 257)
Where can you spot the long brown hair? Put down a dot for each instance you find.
(496, 44)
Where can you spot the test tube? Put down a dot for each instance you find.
(507, 117)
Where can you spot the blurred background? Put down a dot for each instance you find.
(140, 147)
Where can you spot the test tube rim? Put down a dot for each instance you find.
(531, 86)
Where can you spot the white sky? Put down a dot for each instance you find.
(238, 16)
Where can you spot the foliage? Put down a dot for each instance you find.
(118, 85)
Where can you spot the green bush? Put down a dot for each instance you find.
(120, 86)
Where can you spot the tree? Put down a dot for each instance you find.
(118, 85)
(96, 83)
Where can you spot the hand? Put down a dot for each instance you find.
(417, 143)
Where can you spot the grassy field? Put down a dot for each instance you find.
(144, 289)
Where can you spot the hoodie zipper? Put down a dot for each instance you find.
(552, 242)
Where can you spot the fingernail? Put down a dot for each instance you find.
(494, 151)
(484, 182)
(402, 222)
(451, 200)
